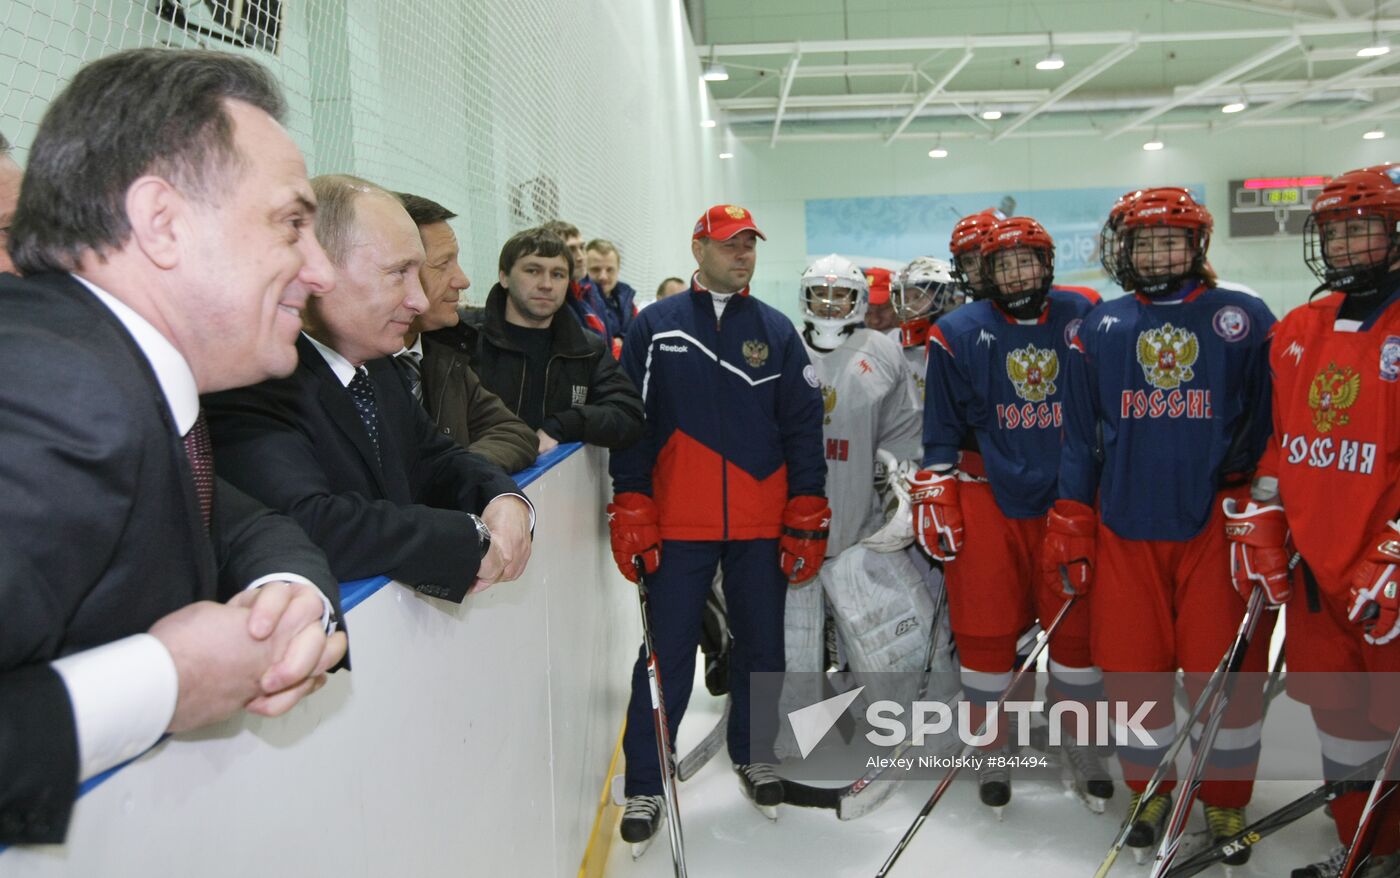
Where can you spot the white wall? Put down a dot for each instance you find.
(468, 740)
(777, 182)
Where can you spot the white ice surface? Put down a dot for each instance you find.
(1046, 832)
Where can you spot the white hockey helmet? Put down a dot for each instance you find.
(835, 295)
(924, 288)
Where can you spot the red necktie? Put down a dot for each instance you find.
(200, 451)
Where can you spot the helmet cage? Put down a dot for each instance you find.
(1153, 281)
(1364, 271)
(1025, 302)
(833, 300)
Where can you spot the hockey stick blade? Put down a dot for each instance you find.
(706, 749)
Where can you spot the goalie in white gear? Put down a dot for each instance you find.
(883, 604)
(921, 293)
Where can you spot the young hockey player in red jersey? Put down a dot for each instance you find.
(1331, 479)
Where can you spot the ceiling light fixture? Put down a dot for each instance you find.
(1053, 60)
(715, 72)
(707, 123)
(991, 115)
(1374, 134)
(1235, 106)
(938, 152)
(1379, 45)
(726, 155)
(1153, 145)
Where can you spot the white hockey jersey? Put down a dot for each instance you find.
(869, 404)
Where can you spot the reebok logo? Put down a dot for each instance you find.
(674, 348)
(811, 723)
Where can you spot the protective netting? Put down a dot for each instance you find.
(509, 112)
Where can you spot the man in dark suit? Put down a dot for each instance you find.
(177, 264)
(343, 447)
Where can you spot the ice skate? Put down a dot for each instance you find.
(1147, 829)
(1379, 867)
(641, 820)
(1226, 823)
(1085, 775)
(762, 786)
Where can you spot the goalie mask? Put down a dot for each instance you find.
(835, 295)
(1162, 242)
(1351, 240)
(923, 292)
(1018, 259)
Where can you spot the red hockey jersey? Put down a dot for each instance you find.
(1336, 442)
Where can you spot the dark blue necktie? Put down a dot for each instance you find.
(362, 392)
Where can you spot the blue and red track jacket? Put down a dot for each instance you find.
(733, 417)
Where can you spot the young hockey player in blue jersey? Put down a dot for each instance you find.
(1167, 414)
(994, 370)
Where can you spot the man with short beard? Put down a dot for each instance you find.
(563, 382)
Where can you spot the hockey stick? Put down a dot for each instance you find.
(663, 734)
(1232, 659)
(1359, 851)
(1190, 785)
(1272, 822)
(706, 749)
(947, 781)
(863, 795)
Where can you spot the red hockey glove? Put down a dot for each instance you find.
(938, 519)
(1067, 556)
(1259, 549)
(636, 533)
(802, 547)
(1375, 588)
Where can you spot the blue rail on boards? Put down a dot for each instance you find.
(352, 594)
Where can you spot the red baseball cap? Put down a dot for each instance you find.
(724, 221)
(879, 280)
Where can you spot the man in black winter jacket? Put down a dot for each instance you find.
(563, 382)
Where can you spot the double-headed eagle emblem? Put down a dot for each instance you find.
(1033, 371)
(1167, 355)
(1332, 392)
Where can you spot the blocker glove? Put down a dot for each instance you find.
(636, 533)
(1375, 588)
(802, 547)
(1070, 540)
(1259, 549)
(938, 519)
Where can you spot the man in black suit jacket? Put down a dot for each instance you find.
(343, 447)
(167, 269)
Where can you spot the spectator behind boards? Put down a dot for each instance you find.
(439, 371)
(343, 447)
(177, 264)
(561, 380)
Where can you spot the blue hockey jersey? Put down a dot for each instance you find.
(1166, 399)
(1003, 380)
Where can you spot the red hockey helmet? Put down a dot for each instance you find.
(1153, 258)
(966, 247)
(1110, 243)
(1352, 237)
(1018, 260)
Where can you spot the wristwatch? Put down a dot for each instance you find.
(483, 533)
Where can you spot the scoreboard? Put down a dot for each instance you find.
(1269, 206)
